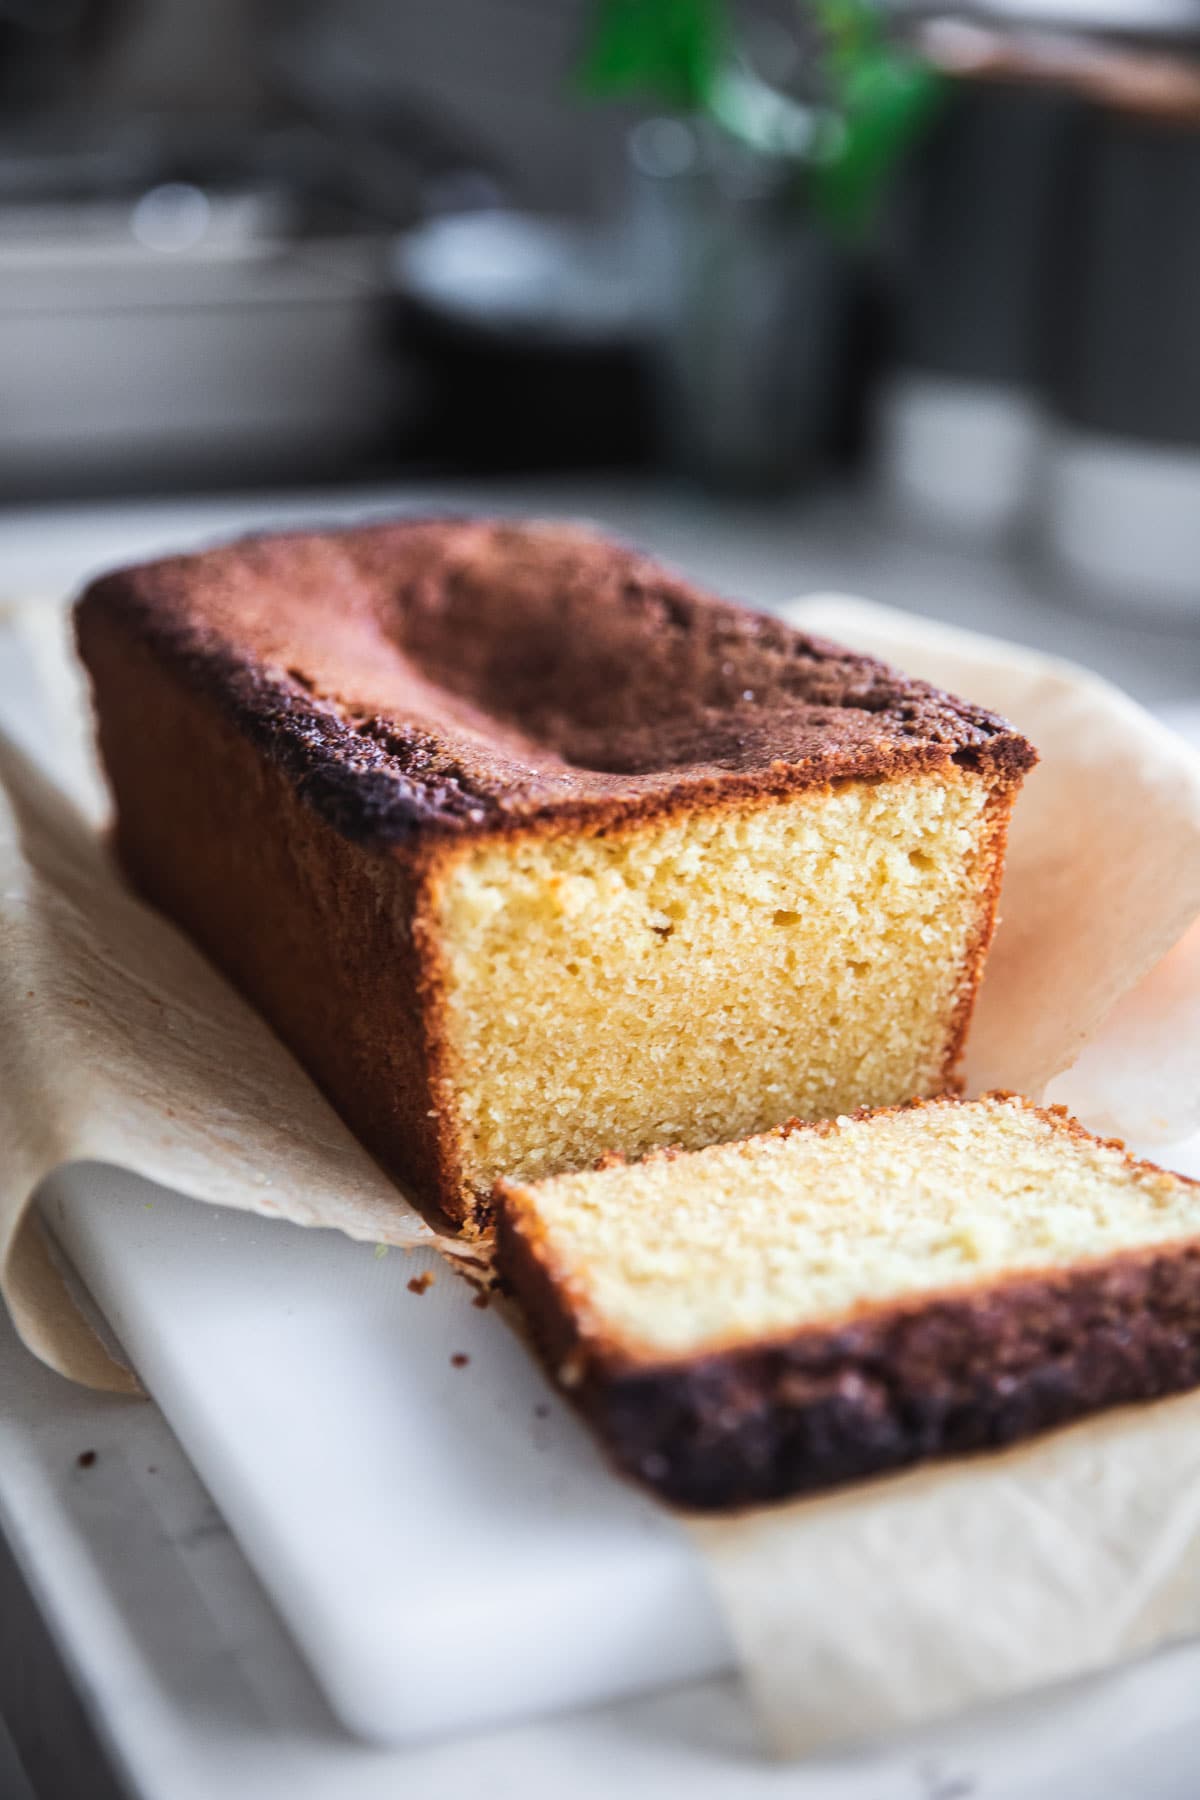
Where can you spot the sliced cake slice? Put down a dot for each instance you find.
(830, 1301)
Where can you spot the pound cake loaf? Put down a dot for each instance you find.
(530, 851)
(830, 1301)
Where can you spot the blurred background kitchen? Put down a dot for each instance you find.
(801, 293)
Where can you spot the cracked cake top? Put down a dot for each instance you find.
(457, 675)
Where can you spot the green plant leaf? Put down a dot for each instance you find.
(880, 97)
(886, 103)
(670, 49)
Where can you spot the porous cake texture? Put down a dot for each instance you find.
(530, 851)
(829, 1301)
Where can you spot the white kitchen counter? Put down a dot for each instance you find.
(149, 1617)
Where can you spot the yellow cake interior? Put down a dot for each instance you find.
(701, 979)
(745, 1240)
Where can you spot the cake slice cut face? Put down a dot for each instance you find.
(698, 977)
(823, 1302)
(531, 851)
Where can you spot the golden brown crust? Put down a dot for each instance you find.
(439, 678)
(884, 1386)
(321, 936)
(990, 880)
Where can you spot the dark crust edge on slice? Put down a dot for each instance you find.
(887, 1387)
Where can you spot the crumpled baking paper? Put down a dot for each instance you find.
(894, 1602)
(118, 1041)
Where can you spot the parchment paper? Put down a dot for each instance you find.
(915, 1597)
(888, 1604)
(118, 1042)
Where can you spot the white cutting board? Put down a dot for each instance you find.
(445, 1543)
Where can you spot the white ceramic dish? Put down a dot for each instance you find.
(444, 1542)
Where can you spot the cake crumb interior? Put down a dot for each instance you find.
(735, 1243)
(708, 976)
